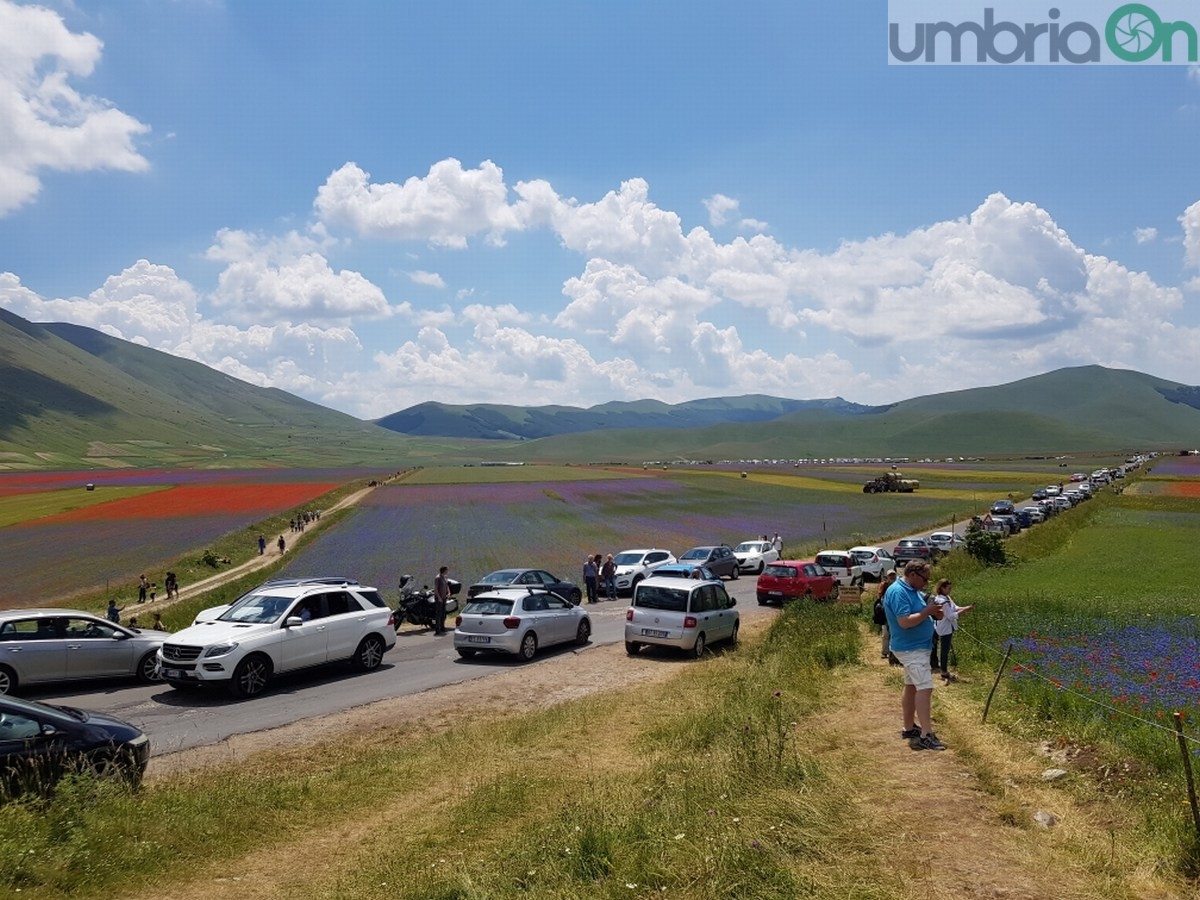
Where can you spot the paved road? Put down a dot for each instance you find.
(182, 719)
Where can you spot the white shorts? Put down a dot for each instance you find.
(917, 671)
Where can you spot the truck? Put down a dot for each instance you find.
(891, 482)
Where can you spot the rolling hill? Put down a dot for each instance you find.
(71, 397)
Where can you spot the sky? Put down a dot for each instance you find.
(376, 204)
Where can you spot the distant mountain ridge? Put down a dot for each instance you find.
(490, 421)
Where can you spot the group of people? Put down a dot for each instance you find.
(114, 615)
(598, 570)
(149, 589)
(917, 631)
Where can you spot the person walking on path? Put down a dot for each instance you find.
(589, 578)
(608, 572)
(143, 586)
(281, 544)
(262, 545)
(944, 628)
(114, 611)
(441, 595)
(910, 617)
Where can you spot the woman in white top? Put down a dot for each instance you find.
(944, 628)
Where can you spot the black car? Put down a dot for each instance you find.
(1003, 508)
(912, 548)
(538, 578)
(39, 744)
(717, 559)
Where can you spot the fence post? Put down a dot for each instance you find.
(1187, 771)
(1003, 666)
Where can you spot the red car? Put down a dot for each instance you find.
(795, 580)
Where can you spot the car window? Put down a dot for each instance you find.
(556, 602)
(720, 597)
(655, 597)
(16, 727)
(534, 603)
(724, 553)
(488, 608)
(39, 629)
(702, 599)
(373, 598)
(90, 629)
(819, 571)
(698, 553)
(505, 576)
(341, 602)
(655, 557)
(780, 571)
(528, 578)
(629, 559)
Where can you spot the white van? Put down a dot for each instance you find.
(682, 613)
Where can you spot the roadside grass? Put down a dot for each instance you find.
(17, 508)
(698, 786)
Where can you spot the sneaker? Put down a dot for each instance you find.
(928, 742)
(909, 733)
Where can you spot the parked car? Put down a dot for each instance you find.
(54, 645)
(524, 578)
(842, 565)
(1040, 494)
(519, 621)
(753, 556)
(912, 548)
(281, 628)
(1062, 503)
(1053, 490)
(1002, 508)
(717, 559)
(1010, 523)
(213, 612)
(634, 565)
(687, 615)
(1035, 514)
(40, 743)
(682, 570)
(875, 561)
(795, 580)
(946, 541)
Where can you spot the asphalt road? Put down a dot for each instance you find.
(183, 719)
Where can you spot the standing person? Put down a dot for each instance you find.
(608, 572)
(910, 615)
(281, 544)
(441, 594)
(944, 628)
(143, 586)
(589, 578)
(172, 586)
(777, 544)
(114, 611)
(262, 545)
(885, 646)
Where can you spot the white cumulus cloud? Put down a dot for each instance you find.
(720, 209)
(1190, 220)
(1145, 235)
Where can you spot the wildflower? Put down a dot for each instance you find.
(680, 836)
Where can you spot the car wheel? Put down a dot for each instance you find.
(465, 653)
(250, 677)
(584, 632)
(148, 671)
(633, 587)
(733, 638)
(8, 680)
(632, 648)
(698, 649)
(528, 646)
(736, 574)
(576, 596)
(111, 765)
(762, 601)
(761, 566)
(369, 654)
(835, 593)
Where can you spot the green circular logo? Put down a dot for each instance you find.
(1134, 32)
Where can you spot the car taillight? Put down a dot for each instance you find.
(512, 622)
(690, 622)
(457, 621)
(629, 614)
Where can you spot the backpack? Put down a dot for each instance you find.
(879, 615)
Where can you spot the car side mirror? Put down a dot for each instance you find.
(293, 622)
(48, 730)
(732, 602)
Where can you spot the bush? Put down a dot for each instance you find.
(987, 547)
(210, 559)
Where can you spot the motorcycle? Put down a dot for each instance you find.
(417, 605)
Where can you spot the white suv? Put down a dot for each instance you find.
(280, 628)
(634, 565)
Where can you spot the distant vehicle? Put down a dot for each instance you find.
(40, 743)
(686, 615)
(1003, 508)
(842, 565)
(519, 621)
(635, 565)
(44, 646)
(875, 562)
(753, 556)
(946, 541)
(912, 548)
(718, 559)
(1035, 514)
(795, 580)
(1053, 490)
(1063, 503)
(891, 482)
(1040, 494)
(526, 578)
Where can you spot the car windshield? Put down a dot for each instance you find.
(826, 559)
(862, 555)
(505, 576)
(697, 553)
(256, 609)
(488, 608)
(628, 559)
(780, 571)
(749, 547)
(653, 597)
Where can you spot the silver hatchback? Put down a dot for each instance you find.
(52, 645)
(682, 613)
(519, 621)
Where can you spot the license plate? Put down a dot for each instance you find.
(172, 673)
(654, 632)
(777, 594)
(478, 639)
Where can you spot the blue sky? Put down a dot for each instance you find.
(376, 204)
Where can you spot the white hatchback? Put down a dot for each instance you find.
(682, 613)
(280, 628)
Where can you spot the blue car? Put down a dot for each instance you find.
(681, 570)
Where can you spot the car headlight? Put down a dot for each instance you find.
(220, 649)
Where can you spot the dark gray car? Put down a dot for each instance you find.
(53, 645)
(720, 560)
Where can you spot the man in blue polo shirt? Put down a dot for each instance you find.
(910, 614)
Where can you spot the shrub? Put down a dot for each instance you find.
(986, 547)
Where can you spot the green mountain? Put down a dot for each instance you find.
(72, 397)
